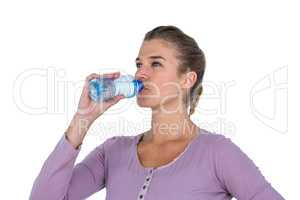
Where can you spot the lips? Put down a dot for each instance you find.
(144, 90)
(146, 87)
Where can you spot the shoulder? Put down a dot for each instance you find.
(213, 139)
(224, 153)
(218, 144)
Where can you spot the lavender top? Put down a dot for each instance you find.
(211, 167)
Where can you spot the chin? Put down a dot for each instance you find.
(145, 103)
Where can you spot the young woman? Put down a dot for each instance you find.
(174, 160)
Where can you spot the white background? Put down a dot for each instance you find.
(48, 47)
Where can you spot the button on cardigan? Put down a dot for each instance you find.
(211, 167)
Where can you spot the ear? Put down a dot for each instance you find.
(189, 79)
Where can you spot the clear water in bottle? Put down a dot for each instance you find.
(102, 89)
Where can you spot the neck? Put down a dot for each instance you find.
(170, 126)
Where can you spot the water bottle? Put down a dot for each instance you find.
(102, 89)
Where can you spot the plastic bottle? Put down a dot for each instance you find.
(102, 89)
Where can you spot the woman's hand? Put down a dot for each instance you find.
(88, 111)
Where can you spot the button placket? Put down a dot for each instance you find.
(146, 185)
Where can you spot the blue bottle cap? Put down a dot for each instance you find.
(138, 84)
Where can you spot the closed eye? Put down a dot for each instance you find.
(138, 65)
(156, 64)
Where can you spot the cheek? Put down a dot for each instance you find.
(170, 88)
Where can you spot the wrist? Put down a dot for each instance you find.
(77, 130)
(82, 120)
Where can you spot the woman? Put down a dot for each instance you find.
(173, 160)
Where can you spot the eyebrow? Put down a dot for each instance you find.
(152, 57)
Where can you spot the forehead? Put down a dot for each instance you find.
(157, 47)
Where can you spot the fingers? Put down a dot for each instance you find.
(111, 75)
(86, 84)
(114, 100)
(92, 76)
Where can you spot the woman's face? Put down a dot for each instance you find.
(157, 67)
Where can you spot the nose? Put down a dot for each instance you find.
(142, 74)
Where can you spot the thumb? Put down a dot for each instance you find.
(115, 100)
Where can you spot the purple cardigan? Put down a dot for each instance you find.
(211, 167)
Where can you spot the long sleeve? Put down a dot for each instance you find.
(60, 180)
(238, 174)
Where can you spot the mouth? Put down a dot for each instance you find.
(144, 90)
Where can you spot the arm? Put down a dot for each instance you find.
(238, 174)
(60, 180)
